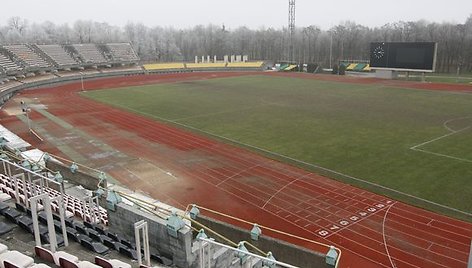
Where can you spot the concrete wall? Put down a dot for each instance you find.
(282, 251)
(178, 249)
(87, 181)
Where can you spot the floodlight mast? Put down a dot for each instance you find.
(291, 27)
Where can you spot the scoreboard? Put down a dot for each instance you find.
(403, 56)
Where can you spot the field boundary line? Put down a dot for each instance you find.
(299, 161)
(442, 155)
(452, 132)
(445, 124)
(439, 138)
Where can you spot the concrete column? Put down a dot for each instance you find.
(203, 59)
(232, 58)
(245, 58)
(226, 58)
(214, 59)
(239, 58)
(208, 58)
(196, 59)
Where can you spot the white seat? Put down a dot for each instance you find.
(87, 264)
(17, 258)
(4, 197)
(40, 265)
(3, 248)
(119, 264)
(64, 255)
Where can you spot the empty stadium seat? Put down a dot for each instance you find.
(206, 65)
(58, 54)
(8, 65)
(44, 254)
(65, 263)
(122, 52)
(96, 247)
(40, 265)
(89, 53)
(28, 56)
(87, 264)
(3, 248)
(112, 263)
(164, 66)
(62, 255)
(255, 64)
(16, 259)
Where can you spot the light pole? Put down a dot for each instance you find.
(82, 80)
(330, 50)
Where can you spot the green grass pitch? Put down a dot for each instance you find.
(413, 141)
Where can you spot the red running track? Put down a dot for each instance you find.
(372, 230)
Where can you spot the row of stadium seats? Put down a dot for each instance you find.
(27, 55)
(89, 53)
(58, 55)
(356, 67)
(74, 206)
(25, 58)
(197, 66)
(122, 52)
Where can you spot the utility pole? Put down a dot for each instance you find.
(291, 27)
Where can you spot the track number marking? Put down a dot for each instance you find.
(323, 233)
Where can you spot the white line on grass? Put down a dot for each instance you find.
(452, 120)
(439, 138)
(442, 155)
(295, 160)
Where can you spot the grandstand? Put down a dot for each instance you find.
(8, 65)
(58, 55)
(122, 52)
(356, 66)
(79, 233)
(30, 59)
(164, 66)
(89, 54)
(209, 65)
(254, 64)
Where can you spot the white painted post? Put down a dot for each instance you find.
(239, 58)
(34, 213)
(62, 215)
(208, 58)
(214, 59)
(203, 59)
(226, 59)
(17, 192)
(202, 255)
(196, 59)
(245, 58)
(25, 190)
(138, 226)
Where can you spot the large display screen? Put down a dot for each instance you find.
(407, 56)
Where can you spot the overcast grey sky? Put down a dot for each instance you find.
(233, 13)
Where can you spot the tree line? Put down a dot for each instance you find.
(345, 41)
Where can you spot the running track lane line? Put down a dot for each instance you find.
(383, 233)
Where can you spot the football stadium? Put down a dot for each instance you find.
(111, 158)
